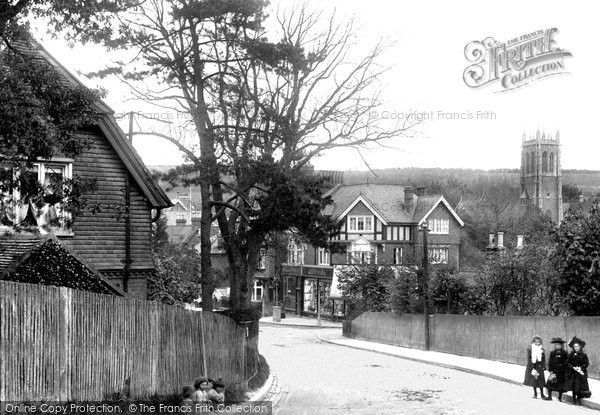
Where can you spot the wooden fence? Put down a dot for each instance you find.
(63, 344)
(503, 339)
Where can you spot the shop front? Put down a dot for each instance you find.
(307, 290)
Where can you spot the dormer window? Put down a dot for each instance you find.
(360, 224)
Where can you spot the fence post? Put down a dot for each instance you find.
(65, 374)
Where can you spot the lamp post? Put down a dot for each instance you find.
(425, 283)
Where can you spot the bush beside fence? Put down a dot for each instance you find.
(63, 344)
(497, 338)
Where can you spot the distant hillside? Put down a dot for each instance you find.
(587, 180)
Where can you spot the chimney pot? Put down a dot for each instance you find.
(501, 240)
(519, 241)
(491, 241)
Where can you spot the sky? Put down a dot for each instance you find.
(427, 61)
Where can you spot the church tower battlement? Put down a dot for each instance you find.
(541, 181)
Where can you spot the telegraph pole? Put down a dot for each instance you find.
(425, 284)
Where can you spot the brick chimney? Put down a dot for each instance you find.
(409, 198)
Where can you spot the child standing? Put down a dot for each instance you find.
(557, 365)
(577, 364)
(536, 364)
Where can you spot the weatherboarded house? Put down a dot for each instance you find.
(107, 239)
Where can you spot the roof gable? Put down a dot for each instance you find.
(369, 206)
(107, 123)
(441, 200)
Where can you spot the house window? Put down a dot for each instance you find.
(360, 223)
(262, 260)
(196, 214)
(438, 255)
(257, 292)
(295, 254)
(398, 233)
(398, 255)
(322, 256)
(440, 226)
(180, 215)
(51, 176)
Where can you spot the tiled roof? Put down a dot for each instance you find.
(386, 199)
(14, 247)
(330, 177)
(20, 262)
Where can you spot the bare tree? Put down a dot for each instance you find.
(259, 112)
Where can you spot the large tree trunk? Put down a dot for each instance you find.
(206, 279)
(238, 298)
(241, 277)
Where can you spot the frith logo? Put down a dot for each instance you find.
(514, 63)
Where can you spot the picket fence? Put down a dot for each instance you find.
(62, 344)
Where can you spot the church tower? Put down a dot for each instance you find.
(541, 182)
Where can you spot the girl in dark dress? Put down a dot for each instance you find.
(536, 364)
(577, 364)
(557, 365)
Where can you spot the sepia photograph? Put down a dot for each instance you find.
(299, 207)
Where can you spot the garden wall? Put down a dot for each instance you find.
(503, 339)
